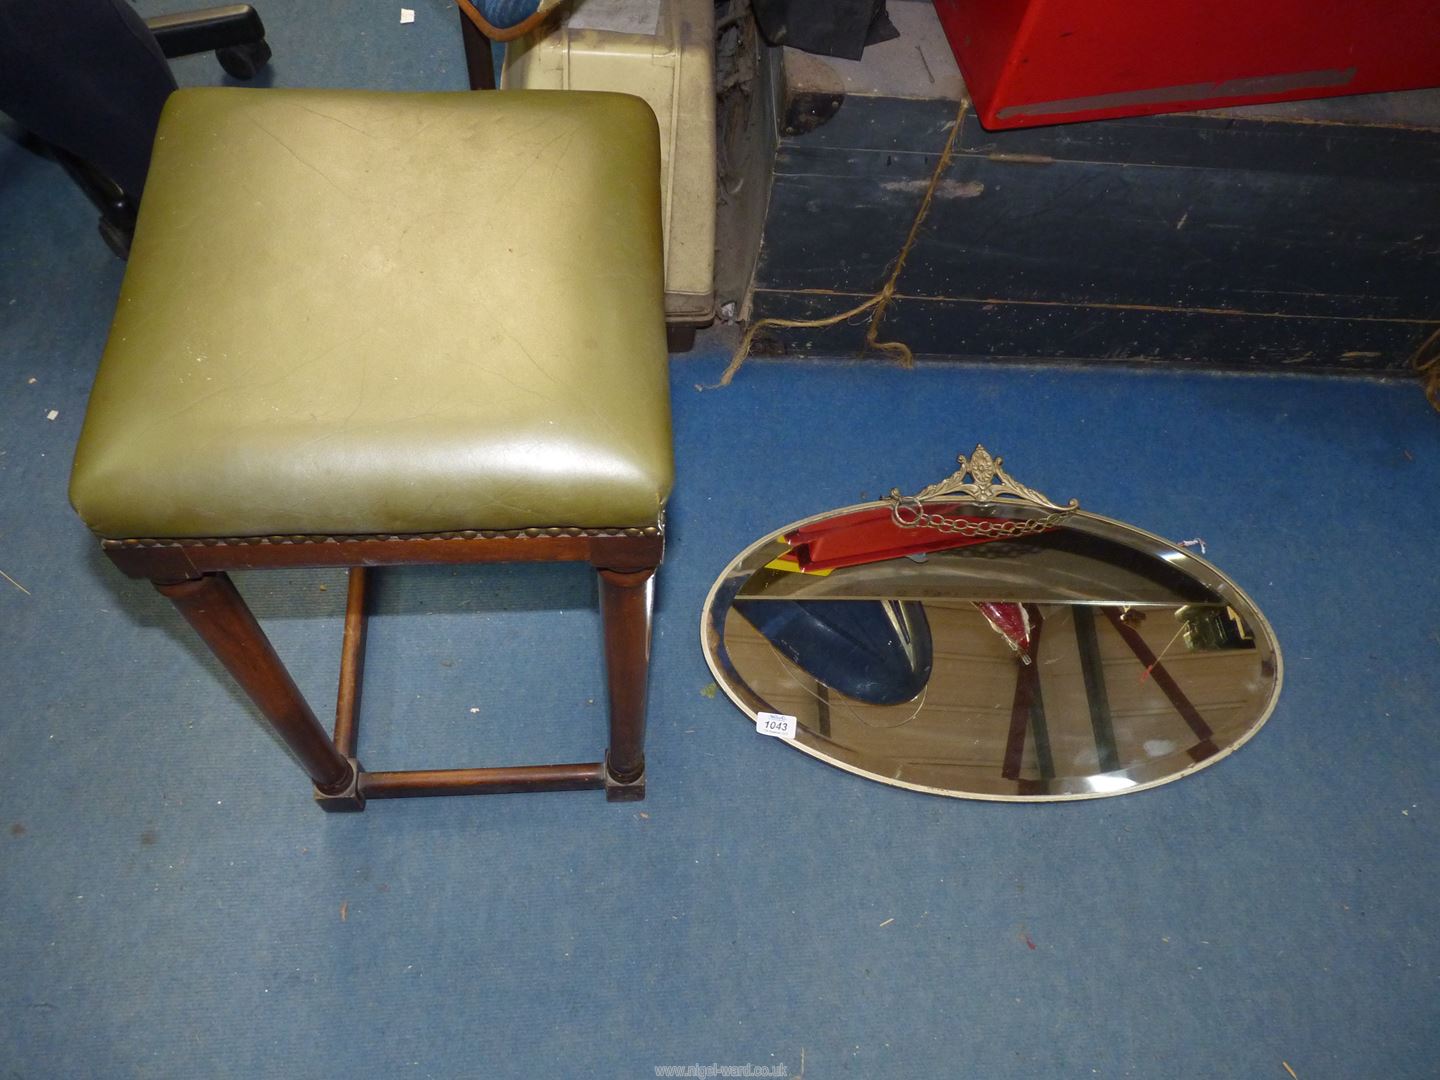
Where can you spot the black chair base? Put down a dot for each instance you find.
(222, 30)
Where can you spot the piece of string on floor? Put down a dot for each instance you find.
(1426, 363)
(881, 300)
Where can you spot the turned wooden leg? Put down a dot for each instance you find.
(626, 600)
(223, 620)
(479, 60)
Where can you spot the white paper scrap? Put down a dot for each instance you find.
(407, 15)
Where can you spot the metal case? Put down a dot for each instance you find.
(661, 51)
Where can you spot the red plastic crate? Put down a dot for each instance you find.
(1029, 62)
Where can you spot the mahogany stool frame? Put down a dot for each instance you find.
(193, 574)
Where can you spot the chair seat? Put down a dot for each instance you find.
(349, 312)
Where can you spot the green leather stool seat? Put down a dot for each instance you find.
(349, 312)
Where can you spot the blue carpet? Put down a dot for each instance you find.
(171, 905)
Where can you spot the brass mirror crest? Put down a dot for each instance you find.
(989, 485)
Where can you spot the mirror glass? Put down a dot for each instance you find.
(1082, 658)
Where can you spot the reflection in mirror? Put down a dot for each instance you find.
(1079, 659)
(876, 652)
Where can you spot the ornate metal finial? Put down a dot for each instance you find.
(988, 485)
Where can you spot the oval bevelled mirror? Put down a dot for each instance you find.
(979, 641)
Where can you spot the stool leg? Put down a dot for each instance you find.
(626, 601)
(223, 620)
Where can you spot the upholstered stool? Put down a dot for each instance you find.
(367, 329)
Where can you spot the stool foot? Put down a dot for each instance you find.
(349, 799)
(624, 790)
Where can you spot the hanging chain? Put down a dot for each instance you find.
(987, 480)
(909, 513)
